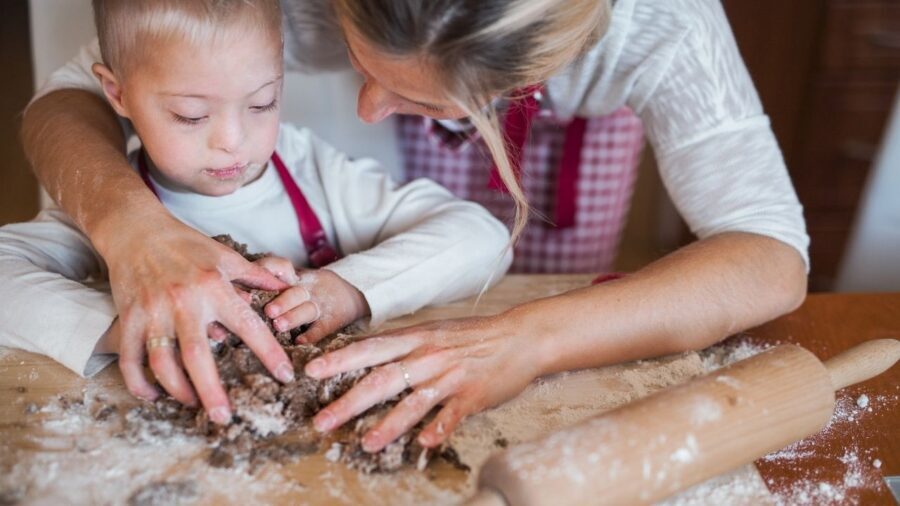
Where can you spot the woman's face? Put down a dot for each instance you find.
(396, 85)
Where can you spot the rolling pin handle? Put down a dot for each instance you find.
(487, 497)
(862, 362)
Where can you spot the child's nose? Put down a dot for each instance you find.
(375, 103)
(228, 136)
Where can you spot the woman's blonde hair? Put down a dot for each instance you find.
(483, 49)
(127, 28)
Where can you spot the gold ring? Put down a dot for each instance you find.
(161, 342)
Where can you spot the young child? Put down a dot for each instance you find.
(200, 82)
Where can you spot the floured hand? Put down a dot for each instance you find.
(320, 298)
(179, 284)
(465, 365)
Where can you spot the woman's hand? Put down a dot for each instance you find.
(320, 297)
(168, 280)
(466, 365)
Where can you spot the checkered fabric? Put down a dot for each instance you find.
(609, 159)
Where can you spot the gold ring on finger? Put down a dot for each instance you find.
(161, 342)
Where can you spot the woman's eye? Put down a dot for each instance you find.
(265, 108)
(188, 121)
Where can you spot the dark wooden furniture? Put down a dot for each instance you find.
(827, 72)
(18, 186)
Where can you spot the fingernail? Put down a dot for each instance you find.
(324, 421)
(273, 310)
(220, 415)
(424, 440)
(370, 442)
(315, 368)
(279, 324)
(284, 373)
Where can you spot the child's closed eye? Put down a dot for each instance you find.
(187, 120)
(265, 108)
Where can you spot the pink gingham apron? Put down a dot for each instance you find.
(602, 183)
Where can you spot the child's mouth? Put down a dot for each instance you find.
(227, 172)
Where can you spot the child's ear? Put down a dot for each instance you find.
(112, 88)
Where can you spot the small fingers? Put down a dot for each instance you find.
(281, 267)
(287, 300)
(300, 315)
(237, 268)
(319, 330)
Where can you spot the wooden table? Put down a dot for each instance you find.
(826, 324)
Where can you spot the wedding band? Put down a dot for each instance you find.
(161, 342)
(405, 374)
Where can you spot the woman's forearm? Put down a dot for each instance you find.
(687, 300)
(76, 147)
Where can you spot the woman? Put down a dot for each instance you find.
(673, 62)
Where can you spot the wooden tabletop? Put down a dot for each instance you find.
(826, 324)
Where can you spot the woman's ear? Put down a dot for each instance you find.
(112, 88)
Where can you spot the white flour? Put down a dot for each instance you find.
(858, 469)
(67, 456)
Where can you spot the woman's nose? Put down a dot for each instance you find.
(375, 103)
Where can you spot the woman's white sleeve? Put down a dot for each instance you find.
(717, 154)
(407, 246)
(47, 306)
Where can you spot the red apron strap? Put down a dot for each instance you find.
(320, 251)
(610, 276)
(516, 126)
(567, 176)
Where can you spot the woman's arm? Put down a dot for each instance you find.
(687, 300)
(166, 278)
(71, 138)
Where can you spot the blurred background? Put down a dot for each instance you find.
(827, 72)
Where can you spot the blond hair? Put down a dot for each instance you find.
(127, 28)
(483, 49)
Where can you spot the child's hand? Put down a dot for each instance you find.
(320, 297)
(281, 268)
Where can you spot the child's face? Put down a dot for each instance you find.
(207, 114)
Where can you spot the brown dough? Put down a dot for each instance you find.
(265, 408)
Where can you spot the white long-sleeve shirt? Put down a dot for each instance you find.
(676, 65)
(403, 246)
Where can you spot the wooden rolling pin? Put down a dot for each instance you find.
(649, 449)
